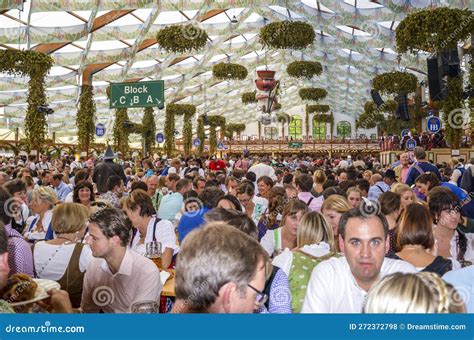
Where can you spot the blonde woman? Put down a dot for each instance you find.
(332, 209)
(413, 293)
(354, 197)
(38, 226)
(65, 258)
(406, 194)
(319, 179)
(314, 243)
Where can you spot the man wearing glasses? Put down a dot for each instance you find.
(220, 270)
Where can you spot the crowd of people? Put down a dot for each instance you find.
(244, 234)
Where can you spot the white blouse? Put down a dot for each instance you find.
(164, 234)
(51, 260)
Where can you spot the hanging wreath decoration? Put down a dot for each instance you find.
(34, 65)
(304, 69)
(294, 35)
(317, 108)
(182, 38)
(313, 94)
(395, 82)
(225, 71)
(249, 97)
(434, 29)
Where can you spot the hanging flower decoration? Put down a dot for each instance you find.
(34, 65)
(294, 35)
(304, 69)
(182, 38)
(249, 97)
(434, 29)
(225, 71)
(313, 94)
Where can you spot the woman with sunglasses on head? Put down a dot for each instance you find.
(451, 242)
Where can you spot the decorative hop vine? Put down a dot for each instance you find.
(148, 129)
(182, 38)
(314, 94)
(200, 134)
(249, 97)
(434, 29)
(304, 69)
(224, 71)
(295, 35)
(188, 111)
(120, 133)
(232, 128)
(395, 82)
(85, 118)
(36, 66)
(214, 122)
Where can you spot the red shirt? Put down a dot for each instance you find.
(217, 165)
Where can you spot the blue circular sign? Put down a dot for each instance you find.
(160, 137)
(196, 142)
(405, 132)
(433, 124)
(411, 144)
(100, 130)
(220, 146)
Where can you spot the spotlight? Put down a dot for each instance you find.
(234, 20)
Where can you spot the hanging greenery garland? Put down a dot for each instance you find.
(201, 135)
(317, 108)
(324, 118)
(313, 94)
(276, 106)
(169, 128)
(471, 100)
(85, 118)
(182, 38)
(283, 118)
(232, 128)
(434, 29)
(295, 35)
(395, 82)
(188, 111)
(214, 122)
(304, 69)
(121, 134)
(225, 71)
(453, 116)
(249, 97)
(34, 65)
(148, 129)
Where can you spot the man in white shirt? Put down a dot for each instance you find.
(117, 277)
(340, 284)
(44, 164)
(263, 169)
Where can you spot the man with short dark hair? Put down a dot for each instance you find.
(420, 166)
(198, 184)
(382, 186)
(209, 198)
(60, 188)
(117, 277)
(115, 189)
(227, 275)
(304, 185)
(340, 284)
(172, 203)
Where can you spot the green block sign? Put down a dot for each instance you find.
(141, 94)
(295, 145)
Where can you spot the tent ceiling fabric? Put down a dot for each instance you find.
(116, 39)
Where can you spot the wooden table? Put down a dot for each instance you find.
(168, 287)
